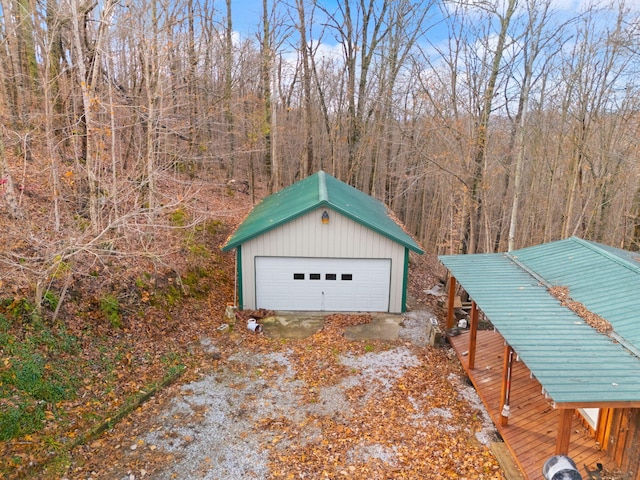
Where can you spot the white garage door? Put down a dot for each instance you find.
(323, 284)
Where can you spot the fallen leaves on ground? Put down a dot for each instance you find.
(416, 426)
(116, 364)
(377, 436)
(382, 436)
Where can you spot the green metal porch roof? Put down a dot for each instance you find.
(573, 362)
(317, 191)
(604, 279)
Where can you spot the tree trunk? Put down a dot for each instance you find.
(49, 90)
(192, 81)
(308, 165)
(7, 190)
(634, 242)
(473, 221)
(532, 49)
(151, 83)
(273, 180)
(88, 114)
(228, 93)
(87, 78)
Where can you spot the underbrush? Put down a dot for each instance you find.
(39, 369)
(58, 390)
(121, 333)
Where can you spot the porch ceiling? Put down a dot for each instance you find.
(576, 365)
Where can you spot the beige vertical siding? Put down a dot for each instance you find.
(307, 236)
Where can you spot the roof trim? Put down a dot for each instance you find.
(606, 253)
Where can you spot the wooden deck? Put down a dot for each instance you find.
(530, 435)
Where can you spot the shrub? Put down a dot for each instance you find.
(110, 307)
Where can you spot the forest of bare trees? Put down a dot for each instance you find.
(485, 126)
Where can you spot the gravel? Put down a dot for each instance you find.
(224, 434)
(212, 422)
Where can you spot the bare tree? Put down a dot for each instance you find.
(532, 42)
(407, 23)
(271, 166)
(359, 28)
(487, 137)
(228, 91)
(87, 79)
(474, 217)
(305, 59)
(593, 72)
(18, 18)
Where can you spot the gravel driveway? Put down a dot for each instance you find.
(257, 414)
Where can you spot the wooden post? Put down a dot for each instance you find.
(506, 384)
(473, 333)
(603, 428)
(451, 300)
(564, 431)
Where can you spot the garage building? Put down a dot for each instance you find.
(321, 245)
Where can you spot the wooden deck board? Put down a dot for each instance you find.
(531, 432)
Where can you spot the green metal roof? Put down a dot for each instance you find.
(604, 279)
(573, 362)
(316, 191)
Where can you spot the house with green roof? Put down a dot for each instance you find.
(567, 311)
(321, 245)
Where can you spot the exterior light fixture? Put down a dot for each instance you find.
(325, 217)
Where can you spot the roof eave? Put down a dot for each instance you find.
(410, 245)
(233, 243)
(598, 404)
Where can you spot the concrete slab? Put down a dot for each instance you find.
(297, 325)
(380, 328)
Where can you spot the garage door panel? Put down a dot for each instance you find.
(293, 283)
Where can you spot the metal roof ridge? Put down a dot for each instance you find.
(325, 199)
(528, 270)
(613, 335)
(594, 247)
(622, 341)
(323, 191)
